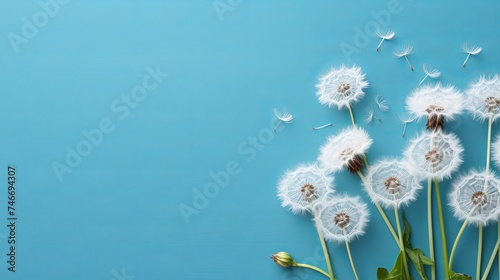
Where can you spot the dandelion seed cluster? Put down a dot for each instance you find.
(476, 197)
(344, 150)
(391, 183)
(483, 98)
(341, 87)
(342, 218)
(437, 103)
(435, 154)
(302, 188)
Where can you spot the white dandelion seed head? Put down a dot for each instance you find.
(341, 86)
(495, 147)
(386, 35)
(404, 51)
(302, 188)
(435, 154)
(342, 149)
(391, 183)
(342, 218)
(476, 197)
(437, 100)
(483, 98)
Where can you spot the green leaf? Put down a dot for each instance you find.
(416, 256)
(407, 231)
(397, 272)
(459, 276)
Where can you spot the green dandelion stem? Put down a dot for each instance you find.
(384, 217)
(352, 114)
(327, 256)
(492, 259)
(313, 268)
(443, 233)
(405, 262)
(350, 259)
(455, 244)
(479, 251)
(429, 227)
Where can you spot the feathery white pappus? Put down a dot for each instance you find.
(483, 98)
(344, 150)
(391, 183)
(447, 101)
(495, 147)
(302, 188)
(435, 154)
(342, 218)
(341, 86)
(476, 197)
(436, 102)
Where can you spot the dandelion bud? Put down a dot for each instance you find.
(283, 259)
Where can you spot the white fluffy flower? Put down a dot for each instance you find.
(344, 150)
(435, 154)
(436, 102)
(341, 87)
(476, 197)
(342, 218)
(483, 98)
(303, 187)
(391, 183)
(495, 146)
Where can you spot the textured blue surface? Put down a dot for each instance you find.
(230, 63)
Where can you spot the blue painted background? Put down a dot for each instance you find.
(116, 214)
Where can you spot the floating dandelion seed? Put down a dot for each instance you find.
(302, 188)
(345, 150)
(405, 120)
(341, 86)
(370, 115)
(483, 98)
(476, 197)
(388, 35)
(322, 126)
(430, 72)
(283, 116)
(470, 50)
(405, 52)
(381, 103)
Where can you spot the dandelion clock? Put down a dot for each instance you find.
(302, 188)
(345, 150)
(341, 87)
(435, 102)
(435, 154)
(391, 183)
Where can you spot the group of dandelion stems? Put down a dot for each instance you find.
(480, 226)
(398, 237)
(447, 264)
